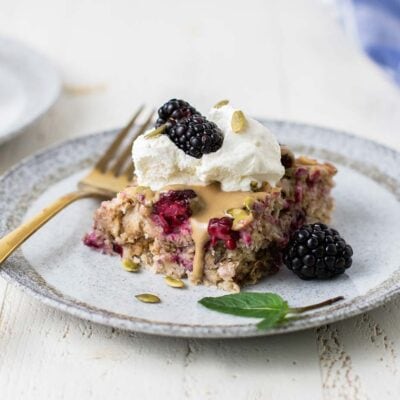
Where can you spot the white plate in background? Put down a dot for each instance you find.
(29, 85)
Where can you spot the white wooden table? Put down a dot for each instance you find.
(277, 58)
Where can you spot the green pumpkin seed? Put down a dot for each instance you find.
(173, 282)
(241, 218)
(249, 203)
(130, 265)
(254, 186)
(156, 132)
(148, 298)
(238, 122)
(241, 221)
(237, 212)
(221, 103)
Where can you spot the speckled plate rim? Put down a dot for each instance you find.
(378, 296)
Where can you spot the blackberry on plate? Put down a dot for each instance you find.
(317, 252)
(196, 136)
(173, 111)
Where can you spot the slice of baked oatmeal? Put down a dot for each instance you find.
(153, 228)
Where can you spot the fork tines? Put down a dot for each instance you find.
(117, 158)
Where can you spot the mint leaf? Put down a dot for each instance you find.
(271, 307)
(248, 304)
(270, 321)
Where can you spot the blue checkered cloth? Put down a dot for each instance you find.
(375, 24)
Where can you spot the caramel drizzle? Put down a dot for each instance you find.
(214, 203)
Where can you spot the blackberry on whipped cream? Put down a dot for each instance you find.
(187, 128)
(173, 111)
(250, 156)
(196, 136)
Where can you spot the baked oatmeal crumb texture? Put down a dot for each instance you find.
(128, 225)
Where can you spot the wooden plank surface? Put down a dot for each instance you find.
(280, 59)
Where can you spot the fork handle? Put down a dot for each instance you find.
(10, 242)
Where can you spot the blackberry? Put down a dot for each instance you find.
(173, 111)
(287, 157)
(317, 252)
(196, 136)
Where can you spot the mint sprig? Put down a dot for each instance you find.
(271, 307)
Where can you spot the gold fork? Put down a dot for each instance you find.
(109, 176)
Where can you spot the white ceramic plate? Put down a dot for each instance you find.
(29, 85)
(55, 267)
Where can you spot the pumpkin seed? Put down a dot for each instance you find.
(221, 103)
(249, 202)
(173, 282)
(130, 265)
(238, 122)
(235, 212)
(241, 220)
(254, 186)
(156, 132)
(148, 298)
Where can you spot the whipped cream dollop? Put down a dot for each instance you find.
(252, 155)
